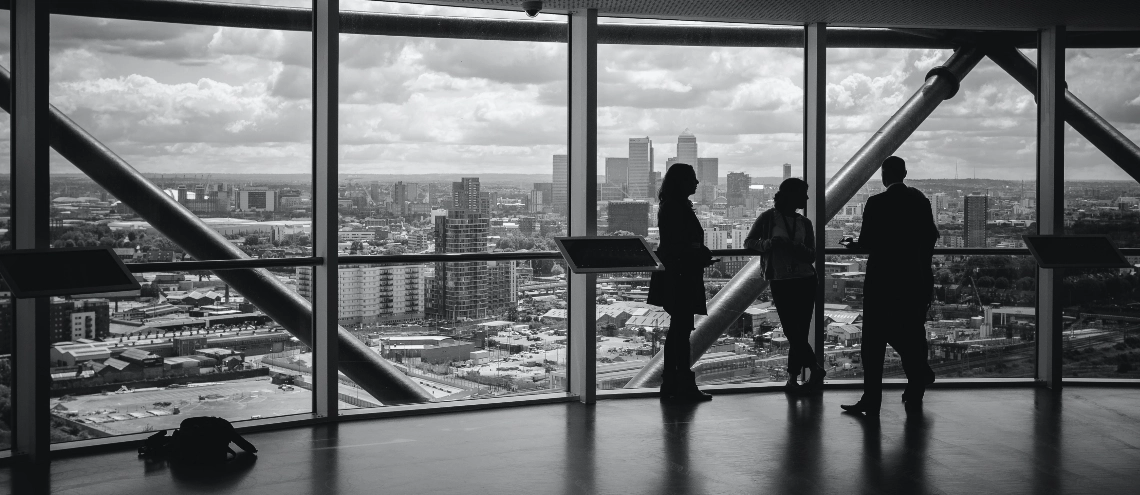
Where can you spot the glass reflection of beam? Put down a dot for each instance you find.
(727, 305)
(373, 373)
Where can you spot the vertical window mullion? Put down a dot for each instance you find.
(326, 32)
(31, 229)
(582, 192)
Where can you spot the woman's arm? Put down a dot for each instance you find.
(757, 239)
(806, 251)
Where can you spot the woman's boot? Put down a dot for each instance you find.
(686, 388)
(815, 383)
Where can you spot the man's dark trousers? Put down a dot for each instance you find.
(906, 333)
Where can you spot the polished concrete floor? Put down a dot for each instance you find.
(1007, 441)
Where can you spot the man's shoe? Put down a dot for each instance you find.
(912, 396)
(861, 408)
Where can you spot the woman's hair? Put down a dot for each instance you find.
(674, 186)
(790, 190)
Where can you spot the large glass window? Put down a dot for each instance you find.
(1101, 306)
(734, 115)
(454, 146)
(973, 159)
(218, 118)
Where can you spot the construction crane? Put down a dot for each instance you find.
(977, 302)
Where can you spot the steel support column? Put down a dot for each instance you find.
(1110, 141)
(815, 166)
(726, 307)
(326, 42)
(1050, 197)
(31, 201)
(583, 151)
(941, 84)
(380, 378)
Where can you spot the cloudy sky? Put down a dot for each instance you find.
(195, 99)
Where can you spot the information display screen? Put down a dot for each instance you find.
(64, 272)
(608, 254)
(1075, 251)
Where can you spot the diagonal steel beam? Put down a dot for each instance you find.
(1110, 141)
(726, 307)
(373, 373)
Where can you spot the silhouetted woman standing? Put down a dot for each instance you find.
(786, 241)
(680, 289)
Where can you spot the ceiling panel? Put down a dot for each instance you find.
(969, 14)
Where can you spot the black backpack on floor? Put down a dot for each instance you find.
(202, 440)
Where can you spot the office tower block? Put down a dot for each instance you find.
(182, 194)
(373, 293)
(709, 174)
(974, 220)
(609, 192)
(374, 191)
(738, 185)
(737, 236)
(561, 184)
(716, 239)
(545, 192)
(787, 171)
(616, 170)
(413, 192)
(687, 148)
(466, 289)
(257, 199)
(640, 168)
(630, 216)
(399, 198)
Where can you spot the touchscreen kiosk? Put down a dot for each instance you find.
(1075, 251)
(65, 272)
(608, 254)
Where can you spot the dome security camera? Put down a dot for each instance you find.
(532, 8)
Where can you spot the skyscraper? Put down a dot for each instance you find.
(465, 289)
(687, 148)
(709, 174)
(976, 207)
(787, 171)
(640, 168)
(560, 190)
(616, 169)
(738, 185)
(399, 198)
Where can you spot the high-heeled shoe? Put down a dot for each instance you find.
(816, 380)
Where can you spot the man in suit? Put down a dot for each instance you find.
(899, 234)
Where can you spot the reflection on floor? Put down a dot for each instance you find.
(1007, 441)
